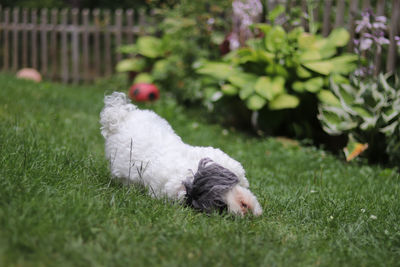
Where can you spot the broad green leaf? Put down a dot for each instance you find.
(362, 111)
(229, 89)
(369, 123)
(298, 86)
(339, 79)
(218, 70)
(302, 72)
(243, 80)
(276, 69)
(320, 44)
(294, 34)
(326, 97)
(346, 93)
(390, 114)
(255, 102)
(276, 39)
(322, 67)
(245, 92)
(263, 55)
(306, 40)
(143, 78)
(314, 85)
(150, 46)
(327, 51)
(160, 69)
(284, 101)
(331, 117)
(383, 82)
(390, 129)
(244, 55)
(278, 85)
(344, 64)
(131, 64)
(270, 88)
(339, 37)
(263, 87)
(335, 120)
(310, 55)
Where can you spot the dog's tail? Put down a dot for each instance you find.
(116, 107)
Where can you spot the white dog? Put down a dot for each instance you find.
(143, 148)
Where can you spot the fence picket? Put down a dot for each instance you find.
(54, 44)
(75, 46)
(142, 21)
(96, 16)
(64, 48)
(352, 23)
(34, 39)
(118, 30)
(326, 28)
(85, 39)
(341, 6)
(43, 43)
(366, 5)
(15, 39)
(129, 22)
(380, 7)
(24, 37)
(107, 42)
(304, 11)
(5, 39)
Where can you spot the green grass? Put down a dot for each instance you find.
(59, 208)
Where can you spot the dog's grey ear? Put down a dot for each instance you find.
(210, 184)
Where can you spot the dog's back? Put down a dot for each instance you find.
(135, 138)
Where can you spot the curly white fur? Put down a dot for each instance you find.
(143, 148)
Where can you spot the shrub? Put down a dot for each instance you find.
(369, 112)
(189, 31)
(279, 70)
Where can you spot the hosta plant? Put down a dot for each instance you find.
(277, 69)
(369, 112)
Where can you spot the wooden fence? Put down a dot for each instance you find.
(67, 45)
(72, 45)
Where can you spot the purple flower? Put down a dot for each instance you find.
(363, 24)
(365, 44)
(381, 19)
(382, 40)
(379, 25)
(397, 39)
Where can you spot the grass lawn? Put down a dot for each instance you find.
(58, 206)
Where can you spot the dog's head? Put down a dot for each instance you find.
(214, 187)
